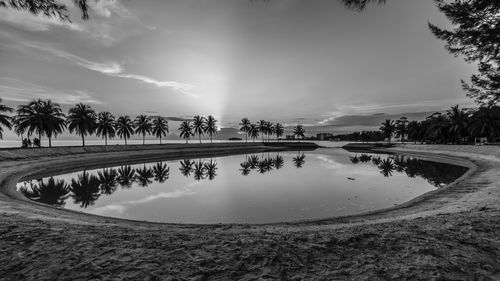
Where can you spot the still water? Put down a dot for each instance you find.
(252, 188)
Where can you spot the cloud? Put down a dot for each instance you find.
(106, 8)
(28, 21)
(22, 91)
(110, 68)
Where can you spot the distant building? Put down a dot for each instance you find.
(324, 136)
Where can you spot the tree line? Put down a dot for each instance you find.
(455, 126)
(46, 118)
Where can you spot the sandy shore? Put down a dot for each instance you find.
(449, 234)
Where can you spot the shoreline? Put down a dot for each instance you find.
(474, 198)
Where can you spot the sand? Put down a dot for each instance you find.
(449, 234)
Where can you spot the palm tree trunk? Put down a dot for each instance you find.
(50, 141)
(246, 137)
(83, 140)
(211, 138)
(199, 137)
(143, 139)
(106, 140)
(40, 138)
(160, 139)
(125, 140)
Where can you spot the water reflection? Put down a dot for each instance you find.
(265, 164)
(85, 189)
(49, 191)
(437, 174)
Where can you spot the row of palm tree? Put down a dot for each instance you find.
(457, 125)
(268, 129)
(45, 118)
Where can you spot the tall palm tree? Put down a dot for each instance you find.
(299, 132)
(124, 127)
(279, 130)
(486, 122)
(245, 127)
(253, 132)
(262, 128)
(401, 128)
(160, 127)
(143, 126)
(437, 127)
(387, 128)
(82, 119)
(458, 118)
(42, 117)
(4, 119)
(105, 126)
(414, 130)
(199, 125)
(186, 130)
(269, 128)
(211, 126)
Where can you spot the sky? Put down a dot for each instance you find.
(291, 61)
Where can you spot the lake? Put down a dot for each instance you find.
(251, 188)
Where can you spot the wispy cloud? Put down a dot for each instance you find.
(30, 22)
(110, 68)
(22, 91)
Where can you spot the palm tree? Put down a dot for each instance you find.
(186, 130)
(245, 127)
(253, 132)
(279, 130)
(82, 119)
(126, 176)
(124, 127)
(269, 127)
(51, 192)
(161, 172)
(401, 128)
(143, 126)
(211, 126)
(486, 122)
(85, 190)
(262, 128)
(105, 126)
(299, 132)
(160, 127)
(42, 117)
(387, 128)
(199, 126)
(437, 127)
(458, 119)
(4, 119)
(414, 130)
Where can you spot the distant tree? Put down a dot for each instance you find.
(437, 127)
(5, 120)
(401, 128)
(186, 130)
(269, 127)
(199, 126)
(254, 131)
(279, 130)
(299, 132)
(143, 126)
(414, 130)
(42, 117)
(211, 126)
(360, 5)
(245, 127)
(105, 126)
(387, 128)
(82, 119)
(160, 127)
(124, 127)
(458, 118)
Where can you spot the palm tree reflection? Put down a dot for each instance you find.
(85, 189)
(186, 167)
(126, 176)
(51, 192)
(199, 171)
(299, 160)
(144, 176)
(161, 172)
(386, 167)
(211, 168)
(108, 181)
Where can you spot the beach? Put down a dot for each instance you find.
(449, 234)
